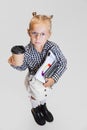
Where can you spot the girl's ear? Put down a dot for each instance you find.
(28, 31)
(49, 34)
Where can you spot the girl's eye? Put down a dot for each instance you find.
(34, 33)
(42, 34)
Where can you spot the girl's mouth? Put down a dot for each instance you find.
(37, 43)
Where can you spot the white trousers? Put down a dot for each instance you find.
(36, 88)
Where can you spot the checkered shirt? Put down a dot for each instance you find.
(33, 59)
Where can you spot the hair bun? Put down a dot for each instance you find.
(51, 16)
(34, 13)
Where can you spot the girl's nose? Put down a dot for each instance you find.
(38, 36)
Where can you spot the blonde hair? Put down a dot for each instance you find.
(40, 19)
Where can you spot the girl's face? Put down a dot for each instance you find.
(39, 34)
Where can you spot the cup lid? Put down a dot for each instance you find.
(19, 49)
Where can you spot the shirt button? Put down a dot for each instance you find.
(44, 89)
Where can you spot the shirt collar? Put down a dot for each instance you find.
(44, 48)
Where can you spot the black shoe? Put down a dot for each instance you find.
(47, 115)
(38, 116)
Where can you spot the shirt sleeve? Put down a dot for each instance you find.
(61, 61)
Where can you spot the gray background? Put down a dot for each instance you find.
(68, 100)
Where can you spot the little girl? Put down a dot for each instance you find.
(35, 54)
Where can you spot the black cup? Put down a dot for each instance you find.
(18, 54)
(19, 49)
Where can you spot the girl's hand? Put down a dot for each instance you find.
(49, 82)
(11, 61)
(16, 60)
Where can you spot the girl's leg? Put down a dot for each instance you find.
(42, 102)
(44, 110)
(34, 103)
(36, 111)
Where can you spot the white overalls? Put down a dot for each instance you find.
(35, 88)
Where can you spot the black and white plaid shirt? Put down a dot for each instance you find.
(33, 59)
